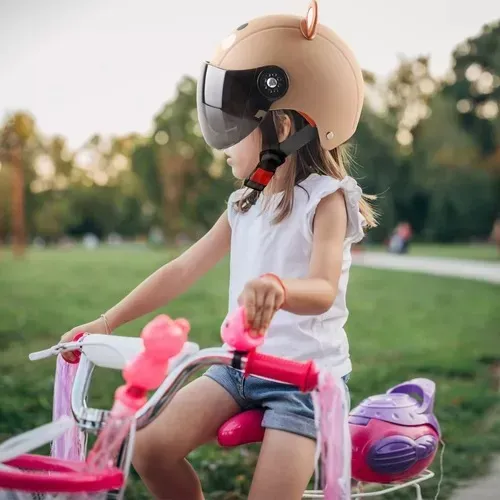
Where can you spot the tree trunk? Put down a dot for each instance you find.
(2, 217)
(173, 180)
(18, 220)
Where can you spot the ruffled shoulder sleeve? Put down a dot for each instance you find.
(321, 186)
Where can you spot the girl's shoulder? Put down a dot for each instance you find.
(318, 187)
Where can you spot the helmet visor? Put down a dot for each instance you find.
(232, 103)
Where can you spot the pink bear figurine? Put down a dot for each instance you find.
(237, 334)
(163, 339)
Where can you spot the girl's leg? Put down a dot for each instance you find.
(284, 468)
(190, 420)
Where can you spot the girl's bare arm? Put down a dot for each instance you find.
(173, 278)
(315, 294)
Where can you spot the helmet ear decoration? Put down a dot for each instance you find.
(309, 25)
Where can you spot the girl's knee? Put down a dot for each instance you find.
(149, 450)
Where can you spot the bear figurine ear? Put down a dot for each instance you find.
(183, 324)
(309, 25)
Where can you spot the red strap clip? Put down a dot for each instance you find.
(261, 176)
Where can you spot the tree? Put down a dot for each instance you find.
(385, 140)
(409, 91)
(17, 141)
(377, 167)
(474, 87)
(53, 217)
(460, 197)
(182, 175)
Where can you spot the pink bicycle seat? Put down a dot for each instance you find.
(243, 428)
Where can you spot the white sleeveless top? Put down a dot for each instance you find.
(258, 247)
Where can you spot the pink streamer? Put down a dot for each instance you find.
(333, 437)
(71, 445)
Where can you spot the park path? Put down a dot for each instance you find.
(487, 487)
(440, 266)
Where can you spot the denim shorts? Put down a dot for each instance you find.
(286, 408)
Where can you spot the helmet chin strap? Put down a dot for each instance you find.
(274, 153)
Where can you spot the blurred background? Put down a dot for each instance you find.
(104, 176)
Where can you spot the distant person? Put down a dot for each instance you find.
(289, 234)
(405, 233)
(400, 240)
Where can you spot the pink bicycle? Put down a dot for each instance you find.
(394, 454)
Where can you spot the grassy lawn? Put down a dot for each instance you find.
(402, 325)
(454, 251)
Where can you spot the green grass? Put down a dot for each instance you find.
(473, 251)
(402, 325)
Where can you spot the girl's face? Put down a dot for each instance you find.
(244, 156)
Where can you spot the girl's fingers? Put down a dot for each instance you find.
(260, 297)
(68, 356)
(269, 309)
(250, 305)
(68, 337)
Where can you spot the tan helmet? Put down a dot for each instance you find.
(281, 62)
(325, 81)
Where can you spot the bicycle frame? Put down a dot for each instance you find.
(91, 420)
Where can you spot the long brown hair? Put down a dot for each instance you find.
(308, 160)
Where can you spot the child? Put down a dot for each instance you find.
(288, 93)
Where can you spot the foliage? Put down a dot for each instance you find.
(475, 87)
(430, 151)
(179, 170)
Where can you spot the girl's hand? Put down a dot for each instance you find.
(96, 326)
(262, 297)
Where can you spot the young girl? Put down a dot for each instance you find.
(282, 94)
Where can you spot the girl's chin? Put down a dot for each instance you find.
(239, 173)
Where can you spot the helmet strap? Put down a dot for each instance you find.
(274, 153)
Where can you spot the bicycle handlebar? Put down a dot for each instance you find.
(303, 375)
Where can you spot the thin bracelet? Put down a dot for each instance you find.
(280, 281)
(106, 324)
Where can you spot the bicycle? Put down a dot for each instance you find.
(33, 477)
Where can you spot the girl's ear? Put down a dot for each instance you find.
(285, 127)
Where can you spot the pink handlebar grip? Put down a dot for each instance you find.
(302, 375)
